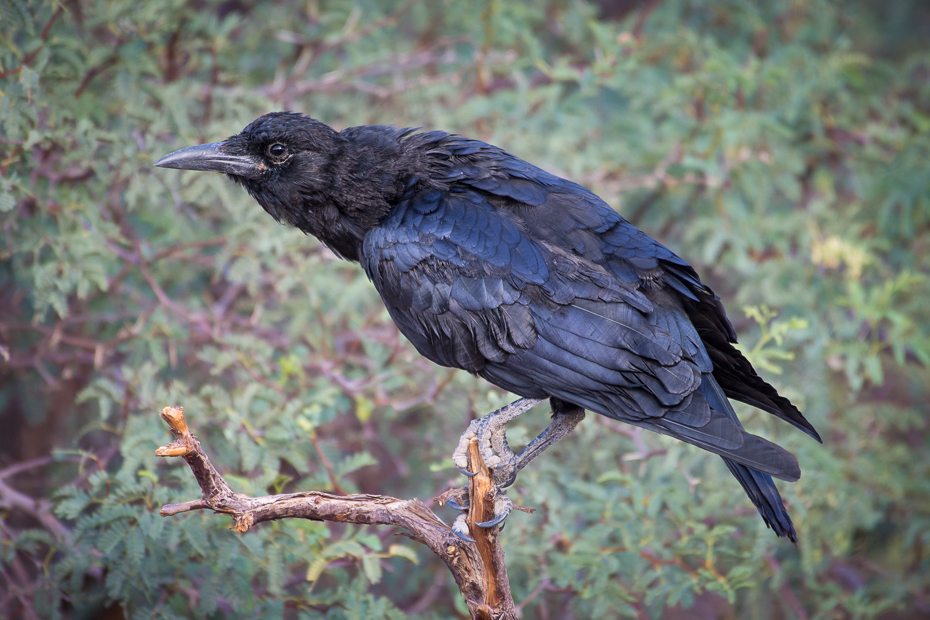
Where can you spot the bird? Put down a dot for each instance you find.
(489, 264)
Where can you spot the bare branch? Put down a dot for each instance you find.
(40, 509)
(169, 510)
(478, 568)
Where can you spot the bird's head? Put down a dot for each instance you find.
(334, 185)
(281, 158)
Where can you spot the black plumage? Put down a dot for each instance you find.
(492, 265)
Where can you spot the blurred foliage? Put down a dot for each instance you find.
(780, 146)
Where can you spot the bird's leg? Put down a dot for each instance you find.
(492, 442)
(565, 417)
(490, 431)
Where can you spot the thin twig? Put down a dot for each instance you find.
(545, 583)
(327, 464)
(169, 510)
(786, 590)
(37, 462)
(32, 55)
(41, 510)
(92, 73)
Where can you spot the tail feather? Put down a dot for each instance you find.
(716, 437)
(762, 491)
(759, 486)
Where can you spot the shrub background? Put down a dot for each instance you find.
(782, 147)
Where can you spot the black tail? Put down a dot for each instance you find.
(759, 487)
(761, 490)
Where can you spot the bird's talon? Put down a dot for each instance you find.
(464, 537)
(451, 503)
(502, 509)
(506, 475)
(493, 521)
(465, 472)
(460, 528)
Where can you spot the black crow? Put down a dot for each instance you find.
(492, 265)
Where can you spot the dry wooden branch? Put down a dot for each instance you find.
(481, 496)
(478, 568)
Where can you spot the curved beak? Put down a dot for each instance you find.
(211, 158)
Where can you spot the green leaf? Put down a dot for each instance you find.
(403, 552)
(371, 564)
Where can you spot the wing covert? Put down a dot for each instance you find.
(470, 288)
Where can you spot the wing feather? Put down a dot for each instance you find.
(472, 289)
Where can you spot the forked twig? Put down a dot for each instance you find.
(478, 568)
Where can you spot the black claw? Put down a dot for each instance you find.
(493, 521)
(457, 506)
(506, 475)
(507, 482)
(465, 472)
(464, 537)
(460, 529)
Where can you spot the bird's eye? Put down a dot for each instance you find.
(277, 151)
